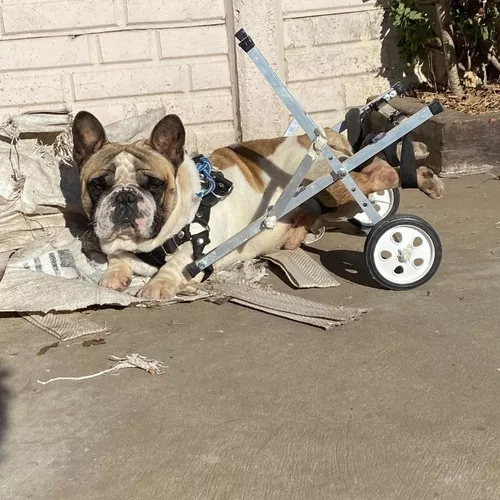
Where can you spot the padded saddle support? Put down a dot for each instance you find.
(359, 136)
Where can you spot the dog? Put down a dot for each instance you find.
(139, 196)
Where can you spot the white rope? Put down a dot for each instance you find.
(152, 366)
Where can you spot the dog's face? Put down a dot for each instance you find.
(128, 191)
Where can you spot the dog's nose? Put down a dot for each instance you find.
(125, 198)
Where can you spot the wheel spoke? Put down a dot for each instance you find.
(424, 253)
(387, 266)
(383, 202)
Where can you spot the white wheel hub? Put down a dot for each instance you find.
(382, 202)
(404, 254)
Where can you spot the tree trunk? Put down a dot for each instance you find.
(450, 56)
(492, 57)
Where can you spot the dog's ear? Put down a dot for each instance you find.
(88, 137)
(168, 138)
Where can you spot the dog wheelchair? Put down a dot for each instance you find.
(386, 202)
(401, 251)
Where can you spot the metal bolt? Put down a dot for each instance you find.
(199, 241)
(270, 222)
(353, 190)
(198, 214)
(342, 173)
(330, 157)
(365, 204)
(181, 234)
(220, 185)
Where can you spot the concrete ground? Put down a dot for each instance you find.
(403, 404)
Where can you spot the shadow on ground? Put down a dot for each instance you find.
(349, 265)
(4, 396)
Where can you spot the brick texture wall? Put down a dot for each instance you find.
(119, 58)
(337, 52)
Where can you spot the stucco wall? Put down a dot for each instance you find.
(119, 58)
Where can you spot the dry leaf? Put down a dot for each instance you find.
(44, 349)
(88, 343)
(475, 102)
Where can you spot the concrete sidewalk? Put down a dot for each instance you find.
(404, 404)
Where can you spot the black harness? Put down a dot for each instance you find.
(214, 188)
(359, 136)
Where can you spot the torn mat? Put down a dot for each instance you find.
(302, 270)
(44, 273)
(287, 306)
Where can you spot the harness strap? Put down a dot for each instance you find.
(157, 257)
(353, 123)
(391, 154)
(202, 239)
(369, 139)
(359, 136)
(358, 128)
(408, 164)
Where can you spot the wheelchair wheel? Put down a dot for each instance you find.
(403, 252)
(386, 203)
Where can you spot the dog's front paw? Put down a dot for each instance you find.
(429, 183)
(116, 280)
(158, 289)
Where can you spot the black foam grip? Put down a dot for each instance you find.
(436, 107)
(241, 35)
(246, 43)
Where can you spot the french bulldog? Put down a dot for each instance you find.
(137, 196)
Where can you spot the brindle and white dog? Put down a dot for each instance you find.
(139, 195)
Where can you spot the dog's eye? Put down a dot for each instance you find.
(98, 184)
(155, 184)
(96, 188)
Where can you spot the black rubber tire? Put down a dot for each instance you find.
(395, 207)
(391, 222)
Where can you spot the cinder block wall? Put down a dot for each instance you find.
(334, 57)
(119, 58)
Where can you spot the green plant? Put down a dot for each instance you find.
(477, 32)
(416, 30)
(469, 31)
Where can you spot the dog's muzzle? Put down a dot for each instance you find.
(126, 209)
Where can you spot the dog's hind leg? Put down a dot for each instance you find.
(378, 176)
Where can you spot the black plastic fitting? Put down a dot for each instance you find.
(246, 43)
(436, 107)
(192, 269)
